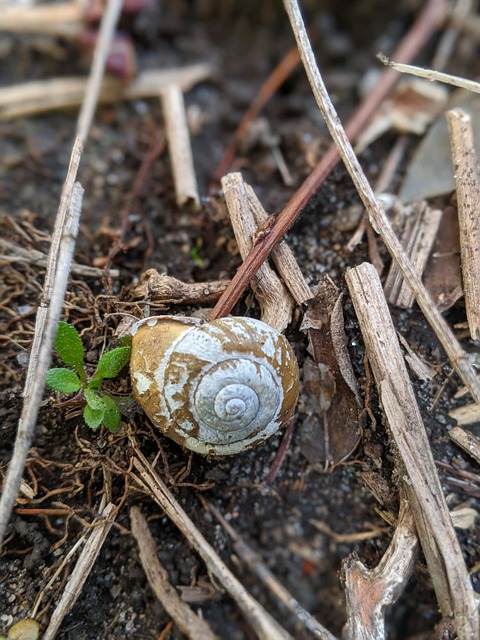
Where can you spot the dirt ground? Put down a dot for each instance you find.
(68, 463)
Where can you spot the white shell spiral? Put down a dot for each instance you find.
(217, 387)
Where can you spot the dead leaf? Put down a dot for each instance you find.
(330, 395)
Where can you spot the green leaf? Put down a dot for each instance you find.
(69, 347)
(94, 401)
(64, 380)
(111, 419)
(112, 362)
(92, 417)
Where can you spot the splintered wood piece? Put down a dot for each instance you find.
(167, 290)
(181, 157)
(415, 461)
(468, 201)
(185, 619)
(262, 623)
(417, 239)
(82, 570)
(274, 300)
(466, 440)
(369, 592)
(61, 93)
(282, 255)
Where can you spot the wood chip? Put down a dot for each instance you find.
(370, 592)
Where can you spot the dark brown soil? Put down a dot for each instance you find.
(244, 43)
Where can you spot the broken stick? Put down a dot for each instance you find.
(416, 466)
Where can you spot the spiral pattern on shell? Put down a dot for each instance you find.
(217, 387)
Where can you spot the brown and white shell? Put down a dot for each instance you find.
(216, 387)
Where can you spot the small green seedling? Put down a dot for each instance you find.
(100, 408)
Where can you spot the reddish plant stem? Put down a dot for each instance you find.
(428, 19)
(275, 80)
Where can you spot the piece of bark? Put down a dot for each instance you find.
(330, 396)
(275, 302)
(415, 462)
(41, 96)
(370, 592)
(166, 290)
(282, 255)
(466, 439)
(180, 148)
(468, 202)
(417, 239)
(185, 619)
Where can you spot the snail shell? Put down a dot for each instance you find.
(215, 387)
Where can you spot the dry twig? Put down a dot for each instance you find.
(431, 74)
(265, 627)
(167, 290)
(426, 22)
(81, 572)
(274, 300)
(379, 220)
(417, 239)
(185, 619)
(282, 255)
(369, 592)
(178, 137)
(416, 465)
(15, 253)
(60, 258)
(65, 19)
(467, 441)
(62, 93)
(468, 203)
